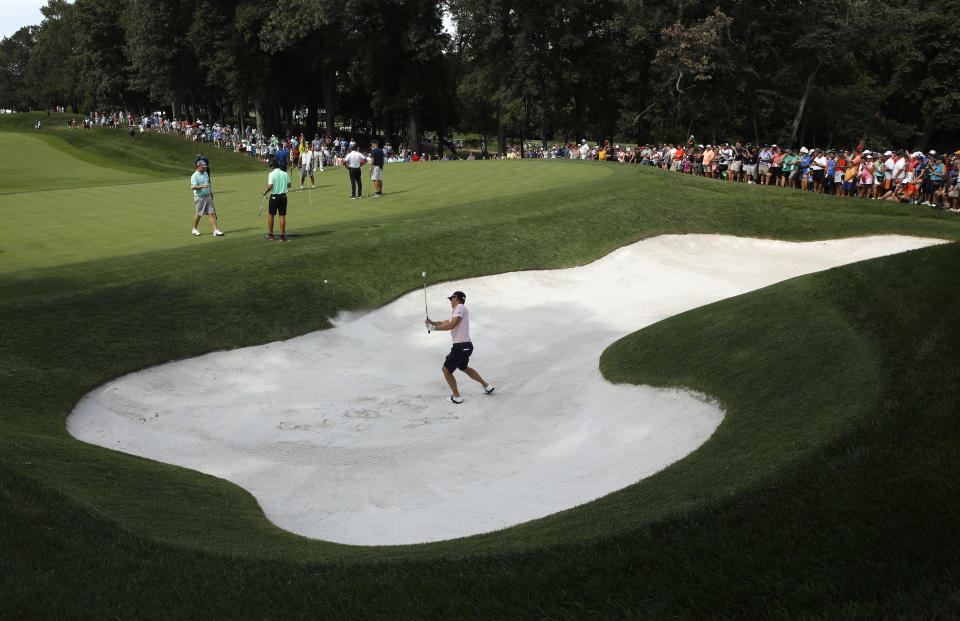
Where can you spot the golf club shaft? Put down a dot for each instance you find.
(426, 312)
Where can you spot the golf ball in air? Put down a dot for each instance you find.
(324, 281)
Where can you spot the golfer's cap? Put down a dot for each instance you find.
(459, 294)
(201, 163)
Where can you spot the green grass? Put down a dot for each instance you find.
(827, 491)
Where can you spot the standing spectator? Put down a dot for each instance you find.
(818, 166)
(282, 155)
(354, 161)
(765, 162)
(750, 159)
(376, 168)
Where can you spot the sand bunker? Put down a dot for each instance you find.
(344, 435)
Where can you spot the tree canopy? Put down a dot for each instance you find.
(828, 72)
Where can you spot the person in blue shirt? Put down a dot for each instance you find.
(282, 156)
(805, 184)
(831, 171)
(933, 179)
(766, 160)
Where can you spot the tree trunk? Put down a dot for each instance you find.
(803, 102)
(387, 128)
(580, 113)
(311, 123)
(928, 128)
(413, 131)
(501, 131)
(328, 80)
(543, 119)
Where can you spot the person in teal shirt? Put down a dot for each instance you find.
(203, 198)
(278, 182)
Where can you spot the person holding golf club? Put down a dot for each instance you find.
(203, 198)
(278, 182)
(459, 356)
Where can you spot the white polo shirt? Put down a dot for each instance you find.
(354, 160)
(461, 333)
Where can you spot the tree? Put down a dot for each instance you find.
(14, 57)
(159, 52)
(51, 73)
(685, 61)
(104, 74)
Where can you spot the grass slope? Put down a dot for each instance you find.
(825, 492)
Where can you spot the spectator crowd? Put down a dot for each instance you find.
(929, 179)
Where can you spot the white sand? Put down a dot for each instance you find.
(344, 435)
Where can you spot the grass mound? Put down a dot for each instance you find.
(58, 158)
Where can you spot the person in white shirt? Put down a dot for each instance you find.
(307, 164)
(888, 166)
(354, 161)
(459, 356)
(818, 165)
(899, 169)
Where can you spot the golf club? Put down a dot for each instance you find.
(260, 213)
(425, 311)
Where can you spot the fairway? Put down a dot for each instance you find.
(832, 467)
(112, 221)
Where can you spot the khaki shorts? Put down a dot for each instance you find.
(204, 205)
(736, 165)
(376, 173)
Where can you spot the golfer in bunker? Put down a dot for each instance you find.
(459, 356)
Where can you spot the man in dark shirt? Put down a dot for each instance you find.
(376, 168)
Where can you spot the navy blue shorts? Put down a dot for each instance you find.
(458, 357)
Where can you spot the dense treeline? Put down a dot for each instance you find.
(830, 72)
